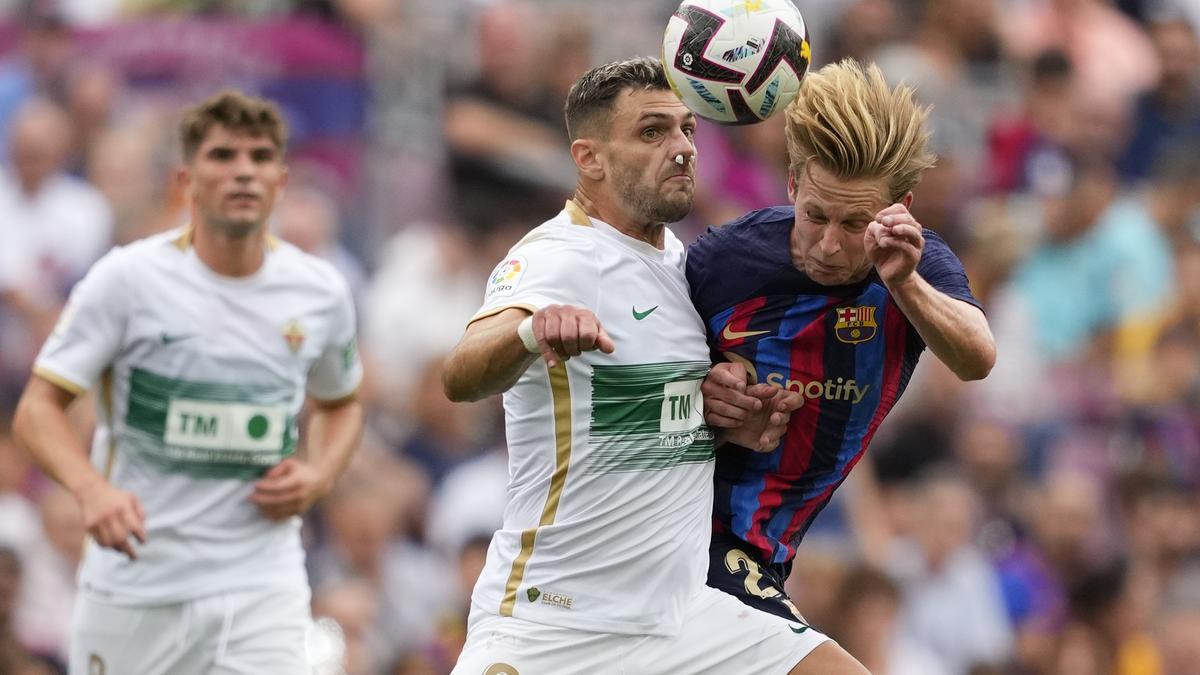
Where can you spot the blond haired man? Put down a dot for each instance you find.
(201, 345)
(833, 297)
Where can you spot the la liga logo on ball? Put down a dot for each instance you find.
(736, 62)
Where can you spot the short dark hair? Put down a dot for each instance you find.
(591, 97)
(235, 111)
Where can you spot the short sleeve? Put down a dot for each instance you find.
(90, 330)
(542, 271)
(944, 271)
(338, 371)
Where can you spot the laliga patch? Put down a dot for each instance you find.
(506, 277)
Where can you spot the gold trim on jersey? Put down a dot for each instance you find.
(493, 312)
(576, 213)
(184, 240)
(58, 380)
(560, 390)
(106, 403)
(334, 402)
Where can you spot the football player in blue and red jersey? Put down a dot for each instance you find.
(833, 297)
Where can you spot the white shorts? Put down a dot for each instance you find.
(720, 635)
(245, 632)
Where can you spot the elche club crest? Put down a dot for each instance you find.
(293, 335)
(855, 324)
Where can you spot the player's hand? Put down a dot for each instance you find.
(289, 489)
(563, 331)
(762, 429)
(894, 241)
(111, 516)
(726, 403)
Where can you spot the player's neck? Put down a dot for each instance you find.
(227, 253)
(610, 212)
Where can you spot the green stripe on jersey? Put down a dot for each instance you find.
(206, 429)
(648, 417)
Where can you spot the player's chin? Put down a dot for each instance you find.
(675, 206)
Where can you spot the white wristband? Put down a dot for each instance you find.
(525, 332)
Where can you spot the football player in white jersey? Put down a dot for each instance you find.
(600, 564)
(201, 346)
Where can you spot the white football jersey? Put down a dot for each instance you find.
(198, 380)
(609, 506)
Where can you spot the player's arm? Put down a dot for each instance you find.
(292, 486)
(84, 342)
(536, 303)
(497, 349)
(488, 359)
(955, 331)
(41, 426)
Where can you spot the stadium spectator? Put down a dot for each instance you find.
(868, 626)
(38, 67)
(943, 574)
(52, 227)
(1168, 114)
(308, 218)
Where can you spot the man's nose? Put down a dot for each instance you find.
(830, 243)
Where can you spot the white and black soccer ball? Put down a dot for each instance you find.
(736, 61)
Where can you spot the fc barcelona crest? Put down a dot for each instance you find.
(855, 324)
(293, 334)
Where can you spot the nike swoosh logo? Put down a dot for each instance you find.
(641, 315)
(798, 631)
(730, 334)
(171, 339)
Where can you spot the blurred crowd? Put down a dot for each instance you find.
(1043, 521)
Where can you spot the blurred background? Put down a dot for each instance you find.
(1043, 521)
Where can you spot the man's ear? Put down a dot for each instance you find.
(791, 187)
(586, 153)
(907, 200)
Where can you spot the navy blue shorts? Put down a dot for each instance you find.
(736, 568)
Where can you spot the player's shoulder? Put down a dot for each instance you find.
(560, 235)
(758, 229)
(756, 240)
(937, 251)
(306, 269)
(935, 241)
(170, 244)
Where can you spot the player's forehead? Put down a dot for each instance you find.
(636, 105)
(220, 135)
(820, 188)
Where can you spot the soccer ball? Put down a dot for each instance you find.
(736, 61)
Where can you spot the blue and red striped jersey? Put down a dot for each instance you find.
(848, 350)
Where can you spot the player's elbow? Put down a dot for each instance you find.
(979, 365)
(456, 386)
(453, 388)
